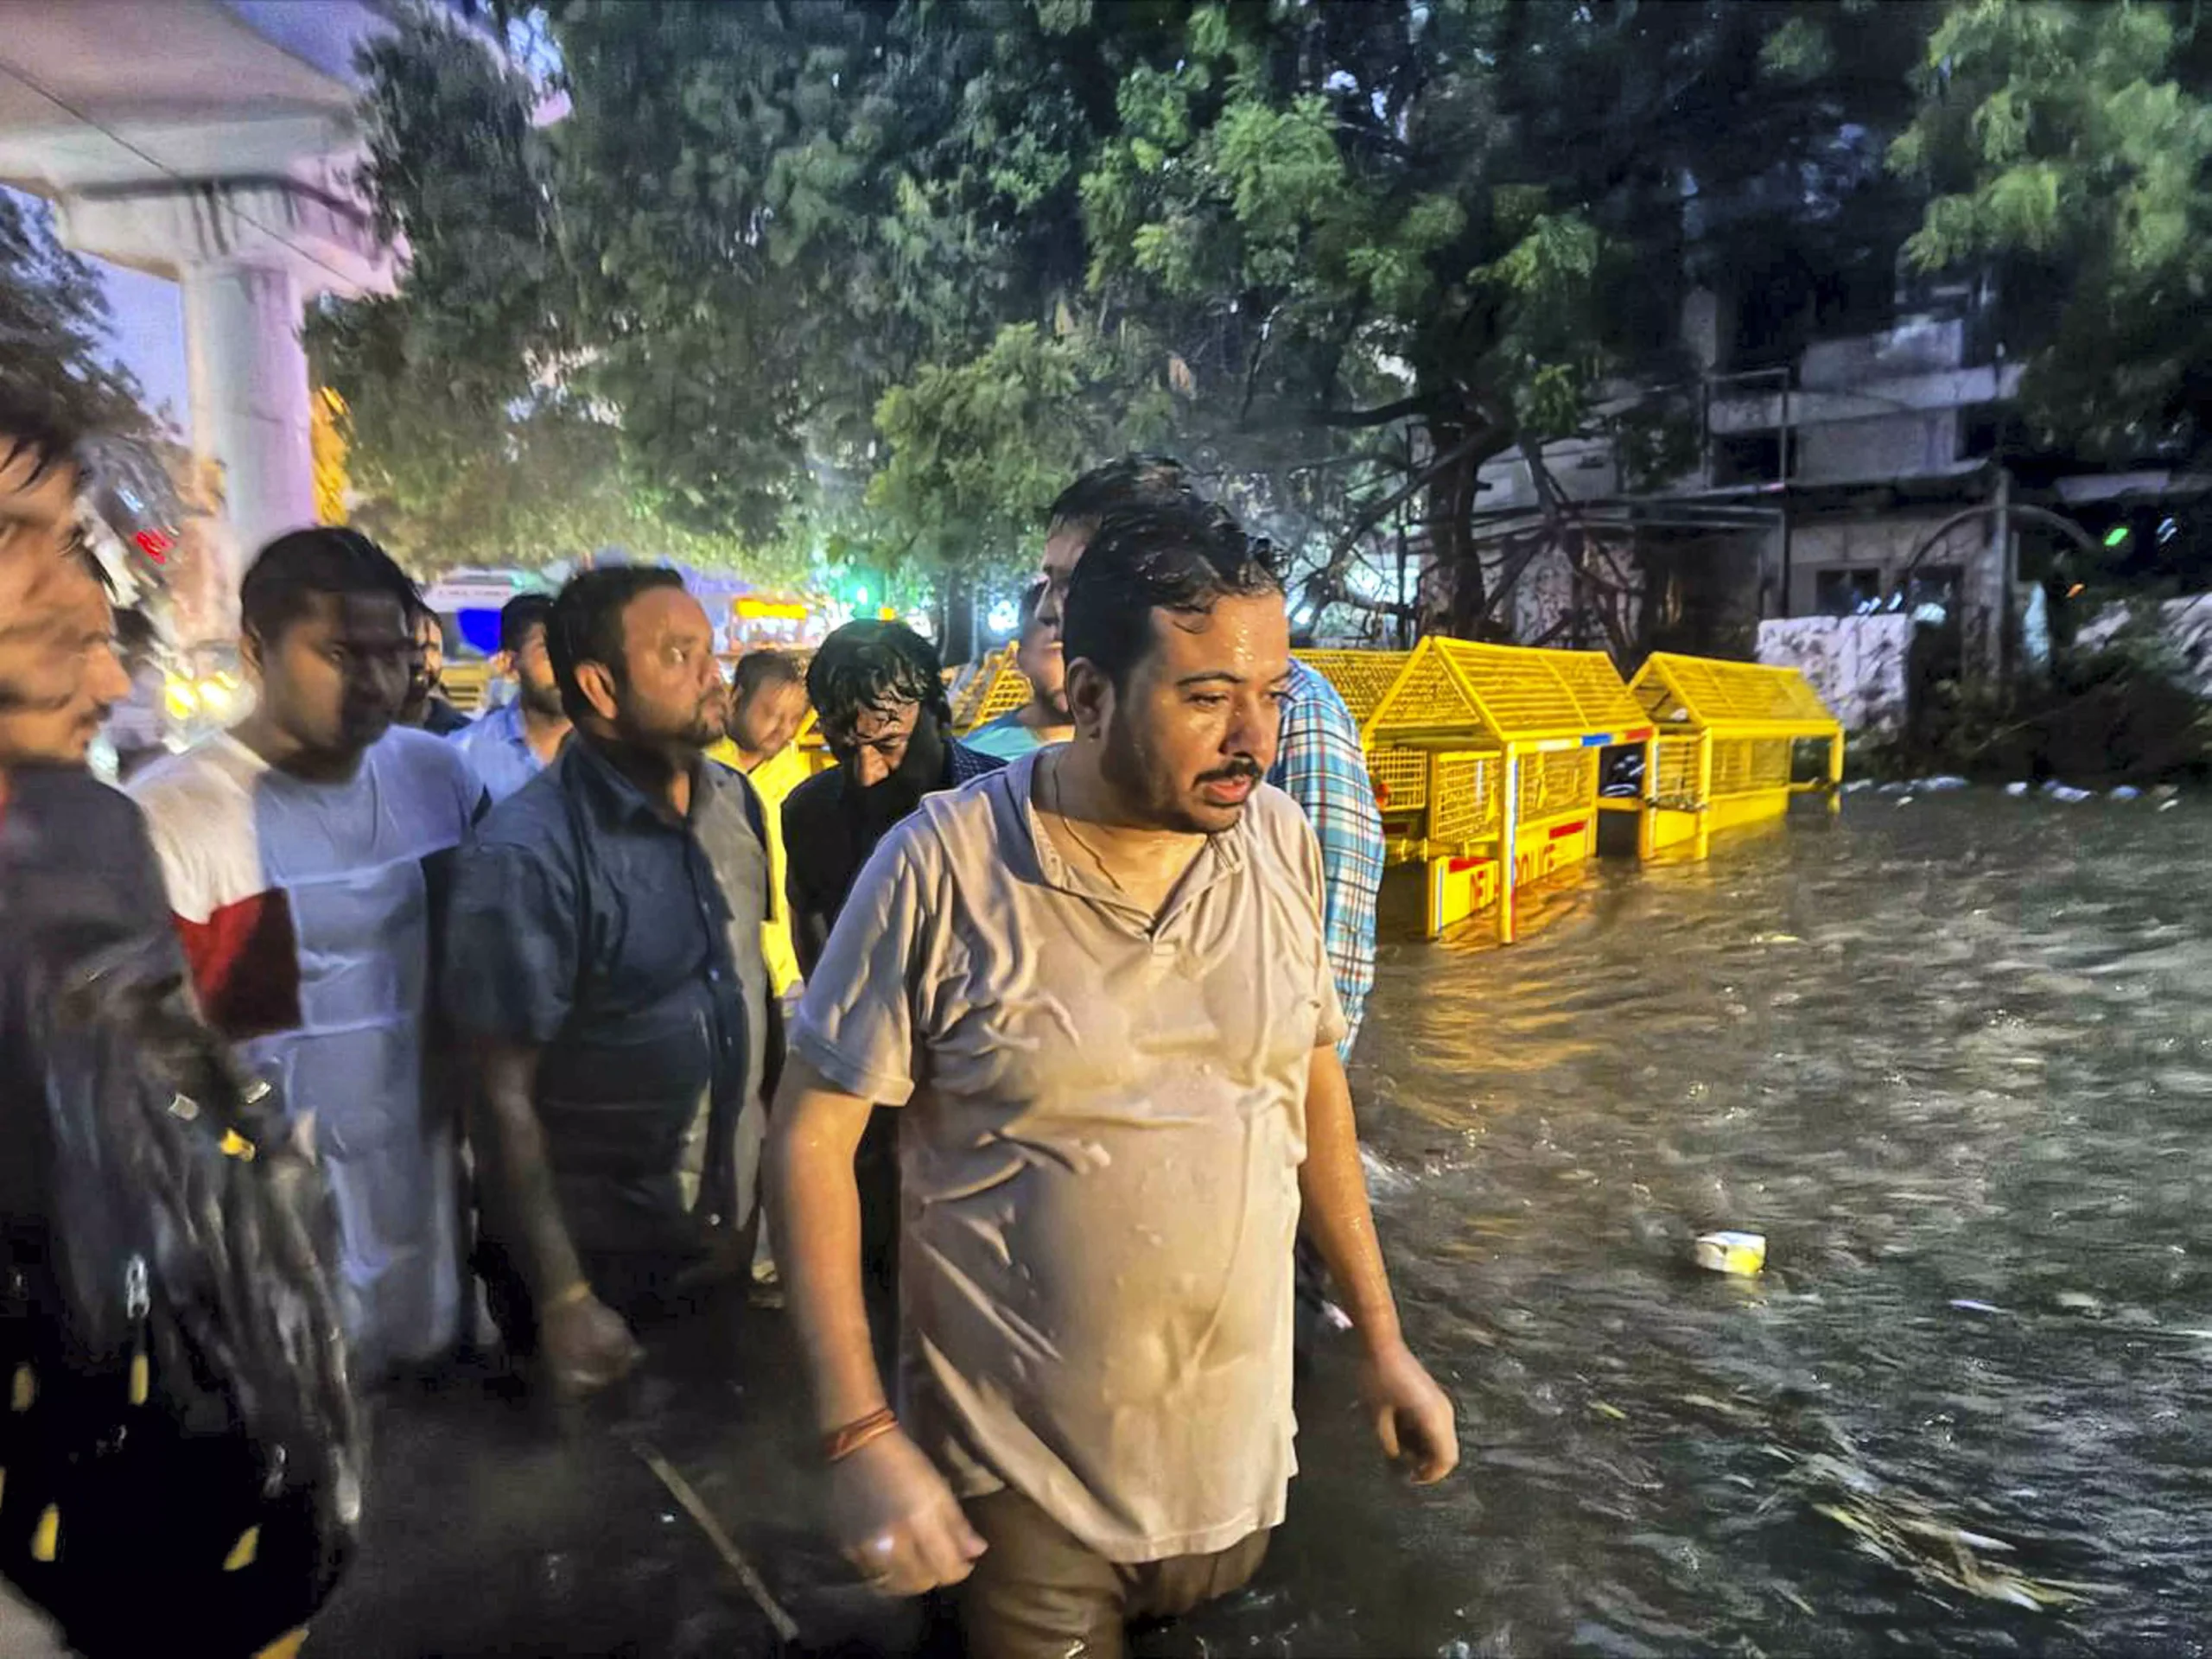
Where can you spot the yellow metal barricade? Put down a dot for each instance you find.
(1727, 734)
(1512, 738)
(995, 687)
(1363, 679)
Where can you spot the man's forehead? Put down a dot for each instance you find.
(44, 502)
(27, 472)
(892, 712)
(1247, 635)
(659, 612)
(1064, 545)
(361, 615)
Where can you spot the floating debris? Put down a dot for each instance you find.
(1964, 1306)
(1899, 1530)
(2016, 791)
(2065, 792)
(2127, 792)
(1940, 784)
(1734, 1412)
(1742, 1254)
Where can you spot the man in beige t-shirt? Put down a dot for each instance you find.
(1096, 983)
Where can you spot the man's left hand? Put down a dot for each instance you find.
(1412, 1416)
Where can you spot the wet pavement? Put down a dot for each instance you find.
(1954, 1058)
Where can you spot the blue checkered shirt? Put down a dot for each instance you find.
(1320, 764)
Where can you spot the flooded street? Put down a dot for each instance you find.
(1953, 1058)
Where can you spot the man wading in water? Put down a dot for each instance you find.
(1097, 985)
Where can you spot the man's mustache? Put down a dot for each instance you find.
(1241, 769)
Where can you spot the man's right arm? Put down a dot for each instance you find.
(513, 948)
(853, 1046)
(586, 1344)
(897, 1521)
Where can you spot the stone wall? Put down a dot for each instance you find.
(2185, 624)
(1856, 663)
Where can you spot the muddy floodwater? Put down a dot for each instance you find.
(1952, 1057)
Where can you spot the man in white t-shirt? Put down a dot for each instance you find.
(303, 852)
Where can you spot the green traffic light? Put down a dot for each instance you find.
(2117, 535)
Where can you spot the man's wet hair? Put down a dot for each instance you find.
(519, 615)
(1183, 557)
(288, 575)
(1126, 485)
(35, 426)
(759, 670)
(585, 625)
(868, 664)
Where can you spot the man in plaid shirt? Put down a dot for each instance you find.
(1318, 762)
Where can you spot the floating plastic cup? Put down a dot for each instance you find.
(1738, 1253)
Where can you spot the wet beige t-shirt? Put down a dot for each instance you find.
(1104, 1121)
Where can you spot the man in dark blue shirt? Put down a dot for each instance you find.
(604, 955)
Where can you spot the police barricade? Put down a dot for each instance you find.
(996, 687)
(1725, 748)
(1485, 760)
(991, 687)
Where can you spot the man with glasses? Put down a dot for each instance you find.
(878, 693)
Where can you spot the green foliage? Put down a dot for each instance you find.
(864, 280)
(979, 448)
(2067, 143)
(475, 435)
(55, 324)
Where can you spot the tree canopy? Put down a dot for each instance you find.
(867, 280)
(55, 324)
(2066, 146)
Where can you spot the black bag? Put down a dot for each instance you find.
(183, 1457)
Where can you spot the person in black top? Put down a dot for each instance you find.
(879, 696)
(79, 882)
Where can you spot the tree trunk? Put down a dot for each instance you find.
(1453, 554)
(958, 642)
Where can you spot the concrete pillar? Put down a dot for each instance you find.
(247, 253)
(250, 396)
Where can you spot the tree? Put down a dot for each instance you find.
(2068, 147)
(780, 213)
(473, 435)
(1469, 221)
(868, 278)
(55, 324)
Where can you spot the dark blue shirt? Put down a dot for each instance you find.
(590, 923)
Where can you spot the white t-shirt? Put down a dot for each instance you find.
(306, 913)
